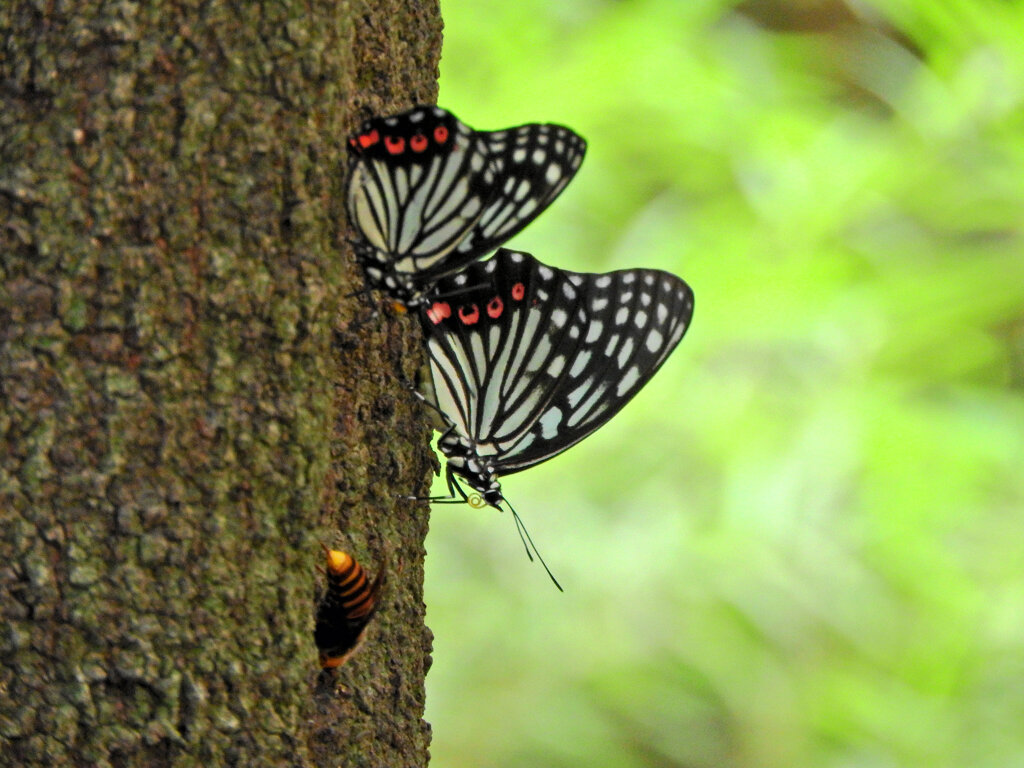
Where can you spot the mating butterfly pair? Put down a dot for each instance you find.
(526, 360)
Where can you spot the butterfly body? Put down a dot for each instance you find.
(429, 195)
(526, 360)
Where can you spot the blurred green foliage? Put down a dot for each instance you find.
(801, 544)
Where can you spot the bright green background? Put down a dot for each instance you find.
(802, 543)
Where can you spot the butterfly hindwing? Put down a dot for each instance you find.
(499, 346)
(418, 183)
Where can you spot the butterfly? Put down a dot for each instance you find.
(526, 360)
(345, 609)
(429, 195)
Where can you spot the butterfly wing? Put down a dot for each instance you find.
(532, 164)
(538, 374)
(429, 195)
(635, 318)
(418, 183)
(501, 321)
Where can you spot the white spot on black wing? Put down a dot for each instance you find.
(631, 377)
(580, 363)
(549, 423)
(625, 352)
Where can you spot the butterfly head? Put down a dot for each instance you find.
(478, 471)
(493, 496)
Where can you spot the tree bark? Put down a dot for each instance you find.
(191, 402)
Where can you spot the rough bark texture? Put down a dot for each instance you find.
(176, 351)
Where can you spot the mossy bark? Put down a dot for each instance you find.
(189, 401)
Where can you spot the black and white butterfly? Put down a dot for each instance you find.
(526, 360)
(429, 195)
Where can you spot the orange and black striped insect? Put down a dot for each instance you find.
(346, 607)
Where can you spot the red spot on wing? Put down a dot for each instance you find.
(418, 142)
(495, 307)
(469, 314)
(441, 134)
(518, 291)
(394, 145)
(369, 139)
(438, 311)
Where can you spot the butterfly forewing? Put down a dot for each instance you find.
(528, 359)
(635, 318)
(429, 195)
(532, 165)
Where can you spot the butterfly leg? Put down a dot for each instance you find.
(456, 495)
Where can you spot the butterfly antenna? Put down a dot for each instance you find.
(524, 536)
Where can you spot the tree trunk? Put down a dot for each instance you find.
(177, 349)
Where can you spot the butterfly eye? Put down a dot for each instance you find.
(469, 314)
(418, 143)
(495, 307)
(394, 145)
(441, 134)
